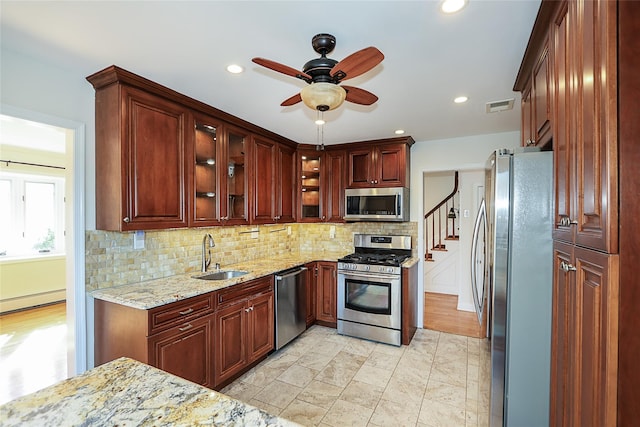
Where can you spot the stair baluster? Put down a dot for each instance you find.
(428, 256)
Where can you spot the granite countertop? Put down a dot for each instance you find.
(154, 293)
(158, 292)
(125, 392)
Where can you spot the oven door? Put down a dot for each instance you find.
(369, 298)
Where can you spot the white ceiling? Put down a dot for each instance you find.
(430, 58)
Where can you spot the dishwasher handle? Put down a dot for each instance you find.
(290, 273)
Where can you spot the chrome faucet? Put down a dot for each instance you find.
(206, 255)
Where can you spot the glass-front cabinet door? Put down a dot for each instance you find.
(205, 168)
(219, 180)
(310, 186)
(234, 209)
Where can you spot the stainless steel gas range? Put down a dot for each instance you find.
(369, 288)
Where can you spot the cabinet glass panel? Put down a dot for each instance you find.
(310, 186)
(236, 186)
(205, 171)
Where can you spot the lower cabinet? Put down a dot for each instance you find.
(326, 288)
(209, 339)
(312, 274)
(185, 351)
(244, 328)
(584, 337)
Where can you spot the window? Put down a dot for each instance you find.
(31, 214)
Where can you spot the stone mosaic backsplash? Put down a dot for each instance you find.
(111, 260)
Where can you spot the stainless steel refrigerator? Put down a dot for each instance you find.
(512, 283)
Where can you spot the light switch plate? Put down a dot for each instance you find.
(254, 234)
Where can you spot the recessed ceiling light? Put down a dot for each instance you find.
(452, 6)
(461, 99)
(235, 69)
(320, 122)
(399, 132)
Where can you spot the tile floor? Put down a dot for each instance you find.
(326, 379)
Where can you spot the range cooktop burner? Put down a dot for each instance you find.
(394, 260)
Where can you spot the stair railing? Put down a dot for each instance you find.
(430, 220)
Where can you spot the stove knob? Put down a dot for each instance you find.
(381, 269)
(367, 268)
(390, 269)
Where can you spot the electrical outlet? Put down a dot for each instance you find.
(288, 230)
(254, 234)
(465, 213)
(332, 232)
(138, 240)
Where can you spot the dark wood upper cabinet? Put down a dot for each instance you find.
(273, 182)
(536, 109)
(140, 153)
(335, 183)
(285, 207)
(381, 163)
(320, 185)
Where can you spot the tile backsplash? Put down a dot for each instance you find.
(111, 259)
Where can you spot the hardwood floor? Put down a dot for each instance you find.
(33, 350)
(441, 314)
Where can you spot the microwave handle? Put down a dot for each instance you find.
(398, 202)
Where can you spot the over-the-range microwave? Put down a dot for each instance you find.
(376, 204)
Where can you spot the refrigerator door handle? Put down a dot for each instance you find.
(480, 222)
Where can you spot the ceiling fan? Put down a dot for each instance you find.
(324, 75)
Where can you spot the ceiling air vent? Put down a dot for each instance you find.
(495, 106)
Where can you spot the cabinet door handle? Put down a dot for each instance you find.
(566, 267)
(248, 309)
(186, 328)
(187, 311)
(530, 142)
(126, 219)
(572, 221)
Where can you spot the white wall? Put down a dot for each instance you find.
(466, 153)
(29, 84)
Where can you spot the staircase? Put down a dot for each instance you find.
(440, 224)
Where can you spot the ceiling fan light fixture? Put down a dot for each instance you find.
(323, 96)
(452, 6)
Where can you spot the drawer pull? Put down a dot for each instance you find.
(186, 328)
(189, 310)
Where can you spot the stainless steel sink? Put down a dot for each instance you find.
(221, 275)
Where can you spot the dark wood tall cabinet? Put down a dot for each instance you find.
(593, 53)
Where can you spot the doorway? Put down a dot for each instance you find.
(73, 233)
(448, 300)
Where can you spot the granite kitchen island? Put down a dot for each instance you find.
(125, 392)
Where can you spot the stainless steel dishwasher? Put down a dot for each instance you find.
(291, 305)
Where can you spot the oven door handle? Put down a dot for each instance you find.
(362, 276)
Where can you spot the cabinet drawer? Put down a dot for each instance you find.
(238, 293)
(169, 315)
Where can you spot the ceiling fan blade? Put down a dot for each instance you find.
(357, 63)
(284, 69)
(291, 101)
(359, 96)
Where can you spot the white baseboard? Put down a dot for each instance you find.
(26, 301)
(466, 307)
